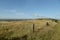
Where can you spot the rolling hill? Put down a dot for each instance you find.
(33, 29)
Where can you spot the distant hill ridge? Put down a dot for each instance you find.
(27, 19)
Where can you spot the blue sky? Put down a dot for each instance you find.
(17, 9)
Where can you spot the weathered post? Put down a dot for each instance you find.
(33, 27)
(47, 24)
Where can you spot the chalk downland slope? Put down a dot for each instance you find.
(23, 30)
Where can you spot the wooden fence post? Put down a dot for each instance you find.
(33, 27)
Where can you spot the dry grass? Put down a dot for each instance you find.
(20, 29)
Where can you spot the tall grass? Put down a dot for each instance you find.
(24, 31)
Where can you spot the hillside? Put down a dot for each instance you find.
(30, 30)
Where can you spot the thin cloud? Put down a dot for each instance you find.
(15, 12)
(10, 10)
(19, 14)
(36, 14)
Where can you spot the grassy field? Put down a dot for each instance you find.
(30, 30)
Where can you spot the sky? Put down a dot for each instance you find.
(29, 9)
